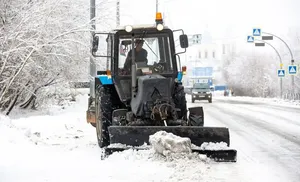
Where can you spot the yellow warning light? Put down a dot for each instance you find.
(281, 65)
(108, 73)
(158, 16)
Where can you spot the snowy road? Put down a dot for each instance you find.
(267, 138)
(62, 147)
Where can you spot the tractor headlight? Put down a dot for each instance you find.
(128, 28)
(160, 27)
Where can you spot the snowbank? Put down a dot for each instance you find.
(272, 101)
(65, 127)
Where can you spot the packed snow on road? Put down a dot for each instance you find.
(58, 145)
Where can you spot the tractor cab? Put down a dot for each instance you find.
(153, 52)
(136, 51)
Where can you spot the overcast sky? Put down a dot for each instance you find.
(224, 19)
(220, 16)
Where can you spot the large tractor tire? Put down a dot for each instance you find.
(196, 116)
(180, 102)
(103, 114)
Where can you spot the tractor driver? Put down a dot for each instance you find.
(140, 55)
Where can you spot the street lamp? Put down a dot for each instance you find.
(262, 43)
(266, 37)
(292, 60)
(258, 32)
(280, 60)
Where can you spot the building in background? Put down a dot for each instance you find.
(205, 60)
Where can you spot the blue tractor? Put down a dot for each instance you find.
(141, 92)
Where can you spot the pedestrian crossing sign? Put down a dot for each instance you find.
(250, 39)
(281, 73)
(256, 32)
(293, 69)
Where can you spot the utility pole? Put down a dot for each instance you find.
(92, 61)
(156, 6)
(118, 13)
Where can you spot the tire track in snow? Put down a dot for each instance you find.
(270, 105)
(249, 151)
(271, 114)
(263, 124)
(282, 108)
(270, 152)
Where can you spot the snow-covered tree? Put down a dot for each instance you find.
(251, 75)
(43, 43)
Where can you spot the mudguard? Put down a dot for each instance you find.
(104, 79)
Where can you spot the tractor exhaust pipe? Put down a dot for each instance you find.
(133, 69)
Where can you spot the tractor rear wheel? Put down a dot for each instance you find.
(103, 114)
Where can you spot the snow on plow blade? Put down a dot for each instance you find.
(138, 135)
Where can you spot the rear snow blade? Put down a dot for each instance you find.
(223, 155)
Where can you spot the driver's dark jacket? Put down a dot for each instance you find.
(140, 56)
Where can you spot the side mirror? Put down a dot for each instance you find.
(184, 42)
(95, 43)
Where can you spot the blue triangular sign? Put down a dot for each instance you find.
(250, 39)
(292, 69)
(281, 73)
(256, 32)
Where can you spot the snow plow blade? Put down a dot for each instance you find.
(138, 135)
(135, 136)
(224, 155)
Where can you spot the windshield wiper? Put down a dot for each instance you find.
(142, 37)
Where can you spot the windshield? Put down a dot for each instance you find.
(152, 54)
(201, 86)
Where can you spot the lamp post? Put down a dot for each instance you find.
(118, 13)
(92, 61)
(280, 60)
(291, 54)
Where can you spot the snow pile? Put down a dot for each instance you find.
(212, 146)
(124, 146)
(165, 143)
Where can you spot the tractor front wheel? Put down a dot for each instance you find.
(180, 101)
